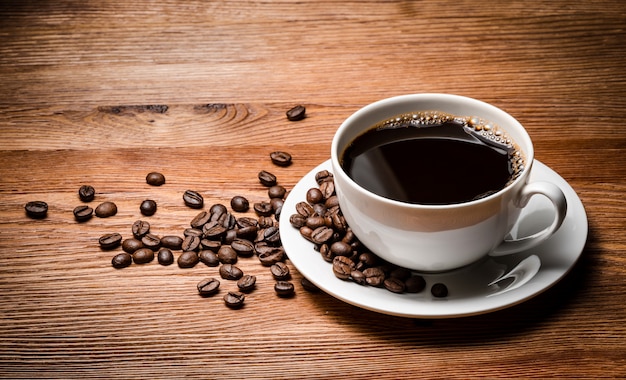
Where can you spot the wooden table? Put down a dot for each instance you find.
(101, 93)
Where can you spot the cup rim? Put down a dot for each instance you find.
(387, 102)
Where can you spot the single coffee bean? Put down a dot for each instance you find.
(121, 260)
(193, 199)
(284, 288)
(213, 230)
(297, 220)
(208, 286)
(340, 248)
(86, 193)
(110, 241)
(277, 191)
(130, 245)
(265, 221)
(314, 195)
(229, 236)
(148, 207)
(296, 113)
(143, 256)
(230, 272)
(227, 255)
(358, 277)
(106, 209)
(415, 284)
(188, 259)
(190, 243)
(246, 283)
(192, 232)
(280, 271)
(321, 235)
(242, 247)
(374, 276)
(263, 208)
(165, 256)
(266, 178)
(249, 232)
(271, 235)
(82, 213)
(140, 228)
(217, 211)
(151, 241)
(36, 209)
(155, 179)
(171, 242)
(234, 300)
(323, 176)
(239, 203)
(200, 220)
(209, 258)
(327, 189)
(439, 290)
(308, 285)
(331, 202)
(277, 204)
(304, 209)
(280, 158)
(343, 267)
(212, 245)
(394, 285)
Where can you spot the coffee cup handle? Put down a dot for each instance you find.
(556, 196)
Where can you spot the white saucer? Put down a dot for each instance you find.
(476, 289)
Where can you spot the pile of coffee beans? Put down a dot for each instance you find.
(320, 220)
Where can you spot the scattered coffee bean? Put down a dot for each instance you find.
(193, 199)
(269, 255)
(36, 209)
(151, 241)
(130, 245)
(208, 286)
(190, 243)
(106, 209)
(242, 247)
(148, 207)
(230, 272)
(172, 242)
(200, 220)
(280, 271)
(267, 179)
(165, 256)
(246, 283)
(239, 203)
(155, 179)
(439, 290)
(209, 258)
(121, 260)
(284, 288)
(86, 193)
(143, 256)
(82, 213)
(140, 228)
(296, 113)
(110, 241)
(280, 158)
(415, 284)
(277, 191)
(343, 267)
(188, 259)
(263, 208)
(234, 300)
(212, 245)
(227, 255)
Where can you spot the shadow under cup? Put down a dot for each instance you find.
(430, 237)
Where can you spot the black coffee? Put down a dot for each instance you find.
(433, 158)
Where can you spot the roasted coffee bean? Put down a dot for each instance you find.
(308, 285)
(394, 285)
(234, 300)
(277, 204)
(263, 208)
(439, 290)
(106, 209)
(193, 199)
(374, 276)
(151, 241)
(110, 241)
(208, 286)
(209, 258)
(192, 232)
(319, 209)
(229, 236)
(130, 245)
(148, 207)
(296, 113)
(265, 222)
(140, 228)
(368, 258)
(212, 245)
(266, 178)
(297, 220)
(190, 243)
(200, 220)
(306, 232)
(271, 235)
(82, 213)
(400, 273)
(172, 242)
(322, 235)
(143, 256)
(165, 256)
(86, 193)
(343, 267)
(280, 271)
(243, 247)
(332, 202)
(213, 230)
(155, 179)
(246, 283)
(247, 232)
(326, 253)
(217, 211)
(227, 255)
(340, 248)
(228, 220)
(340, 225)
(36, 209)
(280, 158)
(188, 259)
(239, 203)
(246, 221)
(277, 191)
(314, 195)
(284, 288)
(304, 209)
(358, 277)
(327, 189)
(230, 272)
(121, 260)
(269, 257)
(415, 284)
(323, 176)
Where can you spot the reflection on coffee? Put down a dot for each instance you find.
(433, 158)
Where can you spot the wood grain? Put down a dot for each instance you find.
(104, 92)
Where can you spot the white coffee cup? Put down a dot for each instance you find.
(440, 237)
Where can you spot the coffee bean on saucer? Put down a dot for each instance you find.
(155, 179)
(439, 290)
(415, 284)
(148, 207)
(280, 158)
(82, 213)
(36, 209)
(106, 209)
(394, 285)
(296, 113)
(86, 193)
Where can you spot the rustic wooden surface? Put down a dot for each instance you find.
(78, 82)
